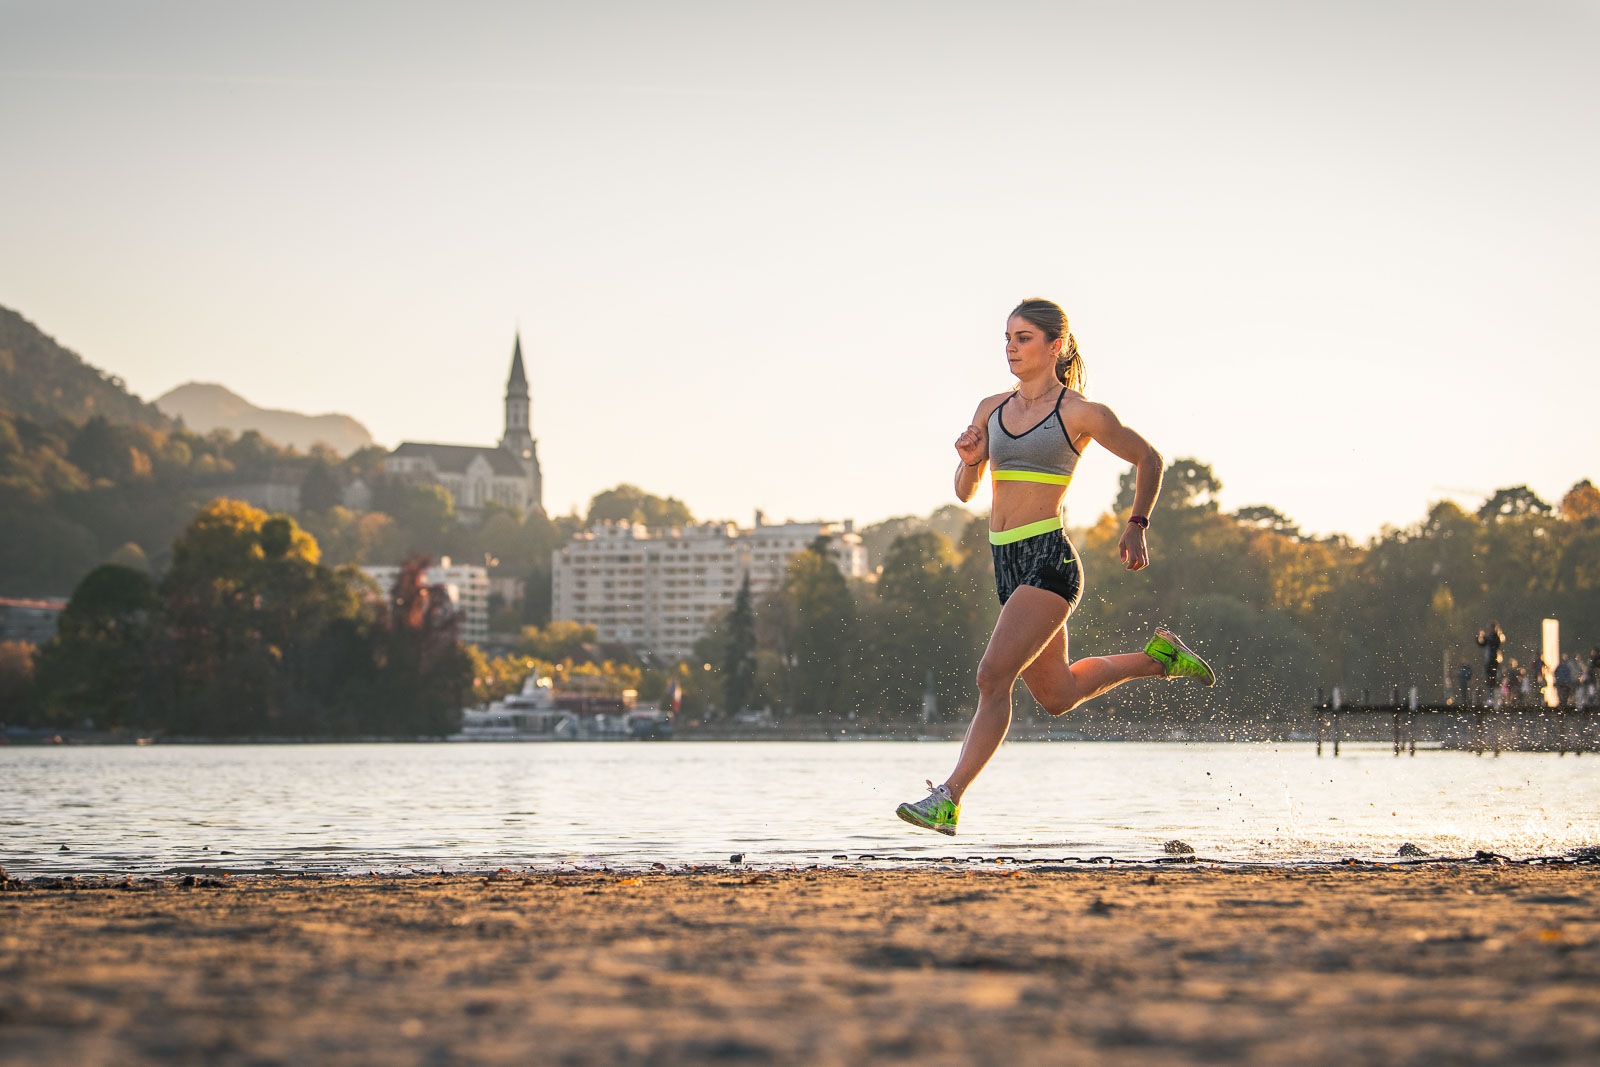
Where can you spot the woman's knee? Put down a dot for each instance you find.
(994, 677)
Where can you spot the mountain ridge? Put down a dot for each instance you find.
(207, 406)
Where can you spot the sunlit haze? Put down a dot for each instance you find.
(761, 257)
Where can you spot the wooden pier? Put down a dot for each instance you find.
(1405, 711)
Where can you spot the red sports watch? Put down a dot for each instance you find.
(1139, 521)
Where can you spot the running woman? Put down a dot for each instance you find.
(1033, 436)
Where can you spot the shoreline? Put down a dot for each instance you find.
(1134, 963)
(14, 878)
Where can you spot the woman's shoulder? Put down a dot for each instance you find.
(1076, 403)
(987, 405)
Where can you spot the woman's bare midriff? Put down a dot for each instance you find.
(1019, 503)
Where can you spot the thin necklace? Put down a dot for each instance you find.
(1034, 399)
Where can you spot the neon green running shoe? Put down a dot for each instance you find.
(937, 811)
(1174, 655)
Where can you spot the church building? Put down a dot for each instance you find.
(507, 473)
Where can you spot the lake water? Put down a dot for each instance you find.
(474, 806)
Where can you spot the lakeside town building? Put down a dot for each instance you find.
(31, 621)
(507, 473)
(661, 590)
(278, 489)
(468, 586)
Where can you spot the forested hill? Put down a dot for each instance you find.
(43, 381)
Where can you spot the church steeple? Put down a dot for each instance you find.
(517, 384)
(518, 437)
(517, 403)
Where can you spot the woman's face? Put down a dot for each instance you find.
(1028, 352)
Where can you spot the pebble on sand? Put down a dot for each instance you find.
(1408, 849)
(737, 857)
(1178, 848)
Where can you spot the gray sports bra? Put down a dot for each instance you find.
(1042, 454)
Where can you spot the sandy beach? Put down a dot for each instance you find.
(1177, 964)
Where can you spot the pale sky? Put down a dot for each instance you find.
(761, 255)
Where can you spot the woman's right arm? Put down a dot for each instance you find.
(973, 449)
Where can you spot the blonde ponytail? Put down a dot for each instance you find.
(1069, 366)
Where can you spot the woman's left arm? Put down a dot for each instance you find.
(1102, 424)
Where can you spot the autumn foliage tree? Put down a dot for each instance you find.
(249, 634)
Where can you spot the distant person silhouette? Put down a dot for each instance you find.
(1463, 681)
(1564, 679)
(1538, 678)
(1490, 640)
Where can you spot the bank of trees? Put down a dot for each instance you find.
(250, 633)
(256, 627)
(1278, 612)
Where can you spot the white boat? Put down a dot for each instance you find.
(537, 714)
(531, 715)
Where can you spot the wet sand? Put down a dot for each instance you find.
(1466, 964)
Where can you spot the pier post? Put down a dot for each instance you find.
(1320, 715)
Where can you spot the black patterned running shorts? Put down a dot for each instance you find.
(1045, 561)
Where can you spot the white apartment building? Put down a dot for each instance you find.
(660, 591)
(468, 587)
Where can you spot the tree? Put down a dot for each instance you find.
(739, 662)
(42, 553)
(251, 451)
(1581, 503)
(630, 503)
(18, 696)
(918, 626)
(1190, 483)
(95, 666)
(1267, 518)
(320, 490)
(243, 606)
(1186, 483)
(824, 629)
(99, 451)
(1517, 500)
(424, 514)
(424, 675)
(558, 641)
(367, 462)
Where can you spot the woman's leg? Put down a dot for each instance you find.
(1027, 624)
(1059, 686)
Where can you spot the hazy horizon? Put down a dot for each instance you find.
(762, 259)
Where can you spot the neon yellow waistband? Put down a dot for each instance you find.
(1032, 476)
(1019, 533)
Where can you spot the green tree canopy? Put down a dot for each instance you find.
(824, 630)
(1186, 483)
(1511, 502)
(95, 666)
(739, 657)
(629, 502)
(320, 490)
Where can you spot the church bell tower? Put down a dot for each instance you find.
(518, 437)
